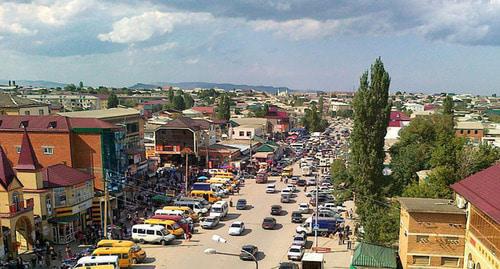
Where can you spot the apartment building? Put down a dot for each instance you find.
(472, 130)
(14, 105)
(479, 194)
(70, 102)
(431, 234)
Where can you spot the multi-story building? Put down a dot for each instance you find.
(248, 131)
(14, 105)
(472, 130)
(479, 194)
(16, 213)
(62, 195)
(132, 124)
(431, 233)
(74, 102)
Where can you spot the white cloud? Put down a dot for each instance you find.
(25, 18)
(192, 61)
(143, 27)
(162, 47)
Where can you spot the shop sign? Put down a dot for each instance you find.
(82, 206)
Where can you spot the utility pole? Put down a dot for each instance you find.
(187, 176)
(316, 218)
(106, 198)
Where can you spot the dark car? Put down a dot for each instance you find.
(276, 210)
(241, 204)
(301, 182)
(246, 250)
(288, 265)
(269, 223)
(296, 217)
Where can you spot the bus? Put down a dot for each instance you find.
(261, 177)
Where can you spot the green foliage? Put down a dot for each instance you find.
(112, 100)
(312, 120)
(224, 108)
(70, 87)
(80, 86)
(188, 100)
(448, 105)
(380, 221)
(261, 111)
(298, 101)
(343, 113)
(178, 102)
(321, 105)
(170, 95)
(437, 187)
(340, 174)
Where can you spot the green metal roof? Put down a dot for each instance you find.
(373, 256)
(265, 148)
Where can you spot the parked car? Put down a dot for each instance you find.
(304, 208)
(286, 191)
(295, 253)
(241, 204)
(288, 265)
(276, 210)
(297, 217)
(271, 188)
(291, 187)
(269, 223)
(209, 222)
(301, 182)
(246, 250)
(299, 239)
(311, 181)
(286, 198)
(236, 228)
(294, 179)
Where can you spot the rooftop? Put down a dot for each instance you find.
(49, 123)
(481, 189)
(60, 175)
(12, 101)
(469, 125)
(103, 113)
(427, 205)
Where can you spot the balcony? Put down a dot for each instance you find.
(168, 149)
(19, 208)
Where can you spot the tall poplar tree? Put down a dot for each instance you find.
(448, 105)
(371, 116)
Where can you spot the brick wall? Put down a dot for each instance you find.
(60, 142)
(87, 156)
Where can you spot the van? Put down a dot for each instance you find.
(138, 254)
(186, 209)
(202, 201)
(171, 226)
(207, 195)
(151, 234)
(197, 207)
(179, 213)
(94, 261)
(185, 225)
(124, 254)
(219, 209)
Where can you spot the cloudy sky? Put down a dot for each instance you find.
(426, 45)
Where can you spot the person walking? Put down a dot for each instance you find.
(341, 238)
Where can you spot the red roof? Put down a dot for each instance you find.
(60, 175)
(27, 157)
(482, 189)
(204, 109)
(398, 116)
(7, 174)
(429, 107)
(395, 124)
(185, 122)
(49, 123)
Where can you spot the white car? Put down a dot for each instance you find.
(295, 253)
(286, 191)
(304, 208)
(291, 187)
(330, 206)
(271, 188)
(236, 228)
(311, 181)
(299, 240)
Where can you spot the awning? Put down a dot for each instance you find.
(64, 219)
(262, 155)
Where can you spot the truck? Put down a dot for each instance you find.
(261, 177)
(326, 225)
(313, 261)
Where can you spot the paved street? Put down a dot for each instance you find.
(273, 244)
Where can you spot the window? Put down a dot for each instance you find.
(475, 131)
(27, 112)
(159, 233)
(152, 232)
(422, 239)
(468, 131)
(48, 150)
(40, 112)
(18, 149)
(421, 260)
(449, 262)
(141, 231)
(134, 230)
(249, 134)
(461, 131)
(59, 197)
(242, 133)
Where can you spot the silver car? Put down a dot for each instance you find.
(209, 222)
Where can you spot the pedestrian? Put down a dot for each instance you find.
(19, 263)
(341, 238)
(69, 254)
(230, 202)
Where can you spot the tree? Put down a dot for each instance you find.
(188, 100)
(80, 86)
(312, 119)
(112, 100)
(224, 108)
(170, 95)
(371, 116)
(178, 102)
(321, 105)
(448, 105)
(70, 87)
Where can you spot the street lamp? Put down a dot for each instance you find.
(220, 239)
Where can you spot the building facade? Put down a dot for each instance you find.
(69, 102)
(14, 105)
(432, 233)
(478, 193)
(474, 131)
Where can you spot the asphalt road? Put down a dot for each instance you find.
(273, 244)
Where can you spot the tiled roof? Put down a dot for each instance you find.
(482, 189)
(7, 174)
(60, 175)
(395, 124)
(103, 113)
(90, 123)
(398, 116)
(185, 122)
(12, 101)
(27, 157)
(49, 123)
(204, 109)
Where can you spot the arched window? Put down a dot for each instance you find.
(478, 266)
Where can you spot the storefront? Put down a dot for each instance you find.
(69, 221)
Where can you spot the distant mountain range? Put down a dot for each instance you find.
(35, 83)
(208, 85)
